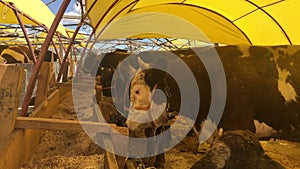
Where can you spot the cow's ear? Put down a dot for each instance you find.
(142, 64)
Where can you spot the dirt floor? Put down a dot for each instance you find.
(75, 150)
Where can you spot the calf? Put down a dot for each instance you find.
(146, 118)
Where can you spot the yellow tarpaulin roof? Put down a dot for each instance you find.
(79, 36)
(36, 9)
(258, 22)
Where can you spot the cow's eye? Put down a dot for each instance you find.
(137, 92)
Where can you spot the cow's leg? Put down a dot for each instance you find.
(149, 132)
(160, 159)
(136, 145)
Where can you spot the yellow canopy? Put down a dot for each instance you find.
(36, 9)
(79, 36)
(258, 22)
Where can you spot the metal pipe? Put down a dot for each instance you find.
(67, 53)
(24, 31)
(73, 48)
(60, 40)
(41, 57)
(56, 51)
(71, 42)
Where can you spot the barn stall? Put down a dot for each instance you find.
(184, 147)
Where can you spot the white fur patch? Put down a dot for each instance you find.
(142, 116)
(245, 50)
(285, 88)
(283, 51)
(263, 130)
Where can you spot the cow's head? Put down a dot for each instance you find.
(145, 110)
(146, 79)
(148, 84)
(140, 92)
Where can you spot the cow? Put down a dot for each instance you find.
(262, 87)
(146, 118)
(15, 54)
(261, 84)
(21, 54)
(107, 67)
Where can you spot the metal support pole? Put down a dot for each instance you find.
(57, 53)
(41, 57)
(60, 58)
(55, 48)
(67, 53)
(25, 32)
(73, 48)
(60, 40)
(71, 42)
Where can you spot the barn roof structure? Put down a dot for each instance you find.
(257, 22)
(32, 12)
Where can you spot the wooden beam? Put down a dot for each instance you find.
(60, 124)
(43, 84)
(10, 86)
(110, 158)
(48, 107)
(112, 141)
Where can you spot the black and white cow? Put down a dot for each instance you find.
(262, 87)
(262, 84)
